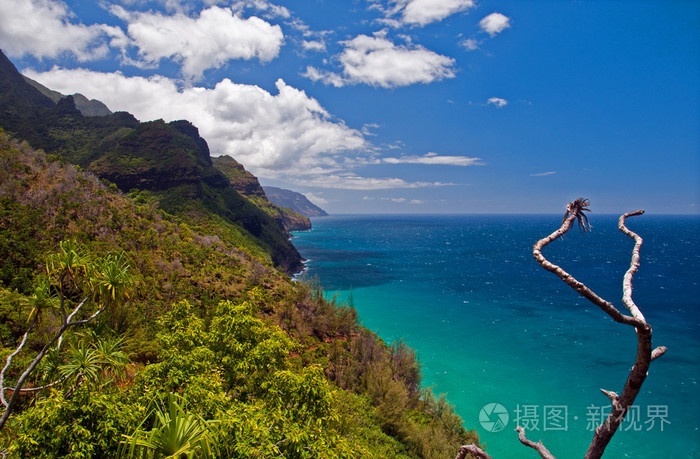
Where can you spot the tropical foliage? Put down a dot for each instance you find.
(201, 348)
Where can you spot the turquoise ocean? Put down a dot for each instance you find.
(507, 341)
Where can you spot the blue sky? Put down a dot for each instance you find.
(401, 106)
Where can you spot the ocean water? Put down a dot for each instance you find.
(509, 342)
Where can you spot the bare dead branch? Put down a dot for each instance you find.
(38, 388)
(539, 447)
(474, 451)
(571, 280)
(67, 319)
(658, 352)
(620, 403)
(23, 377)
(7, 365)
(634, 265)
(89, 319)
(614, 398)
(645, 355)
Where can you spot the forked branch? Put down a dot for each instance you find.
(575, 211)
(620, 403)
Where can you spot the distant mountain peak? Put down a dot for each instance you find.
(293, 200)
(87, 107)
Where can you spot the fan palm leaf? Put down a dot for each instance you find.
(176, 434)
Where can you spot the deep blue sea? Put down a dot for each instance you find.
(490, 326)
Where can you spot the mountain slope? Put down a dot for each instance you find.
(249, 186)
(269, 363)
(293, 200)
(169, 163)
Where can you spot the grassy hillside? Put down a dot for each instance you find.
(259, 364)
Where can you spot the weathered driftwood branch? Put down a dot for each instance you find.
(620, 403)
(539, 447)
(473, 450)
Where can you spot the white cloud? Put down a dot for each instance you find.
(330, 78)
(543, 174)
(494, 23)
(434, 159)
(271, 9)
(274, 136)
(43, 28)
(377, 61)
(403, 200)
(367, 129)
(355, 182)
(316, 199)
(497, 101)
(470, 44)
(313, 45)
(208, 41)
(419, 12)
(422, 12)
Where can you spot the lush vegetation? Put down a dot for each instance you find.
(145, 309)
(210, 351)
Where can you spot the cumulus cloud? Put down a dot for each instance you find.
(434, 159)
(274, 136)
(43, 28)
(497, 101)
(208, 41)
(377, 61)
(494, 23)
(420, 12)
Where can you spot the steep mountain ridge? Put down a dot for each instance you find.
(249, 186)
(167, 163)
(88, 107)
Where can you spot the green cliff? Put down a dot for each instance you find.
(249, 186)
